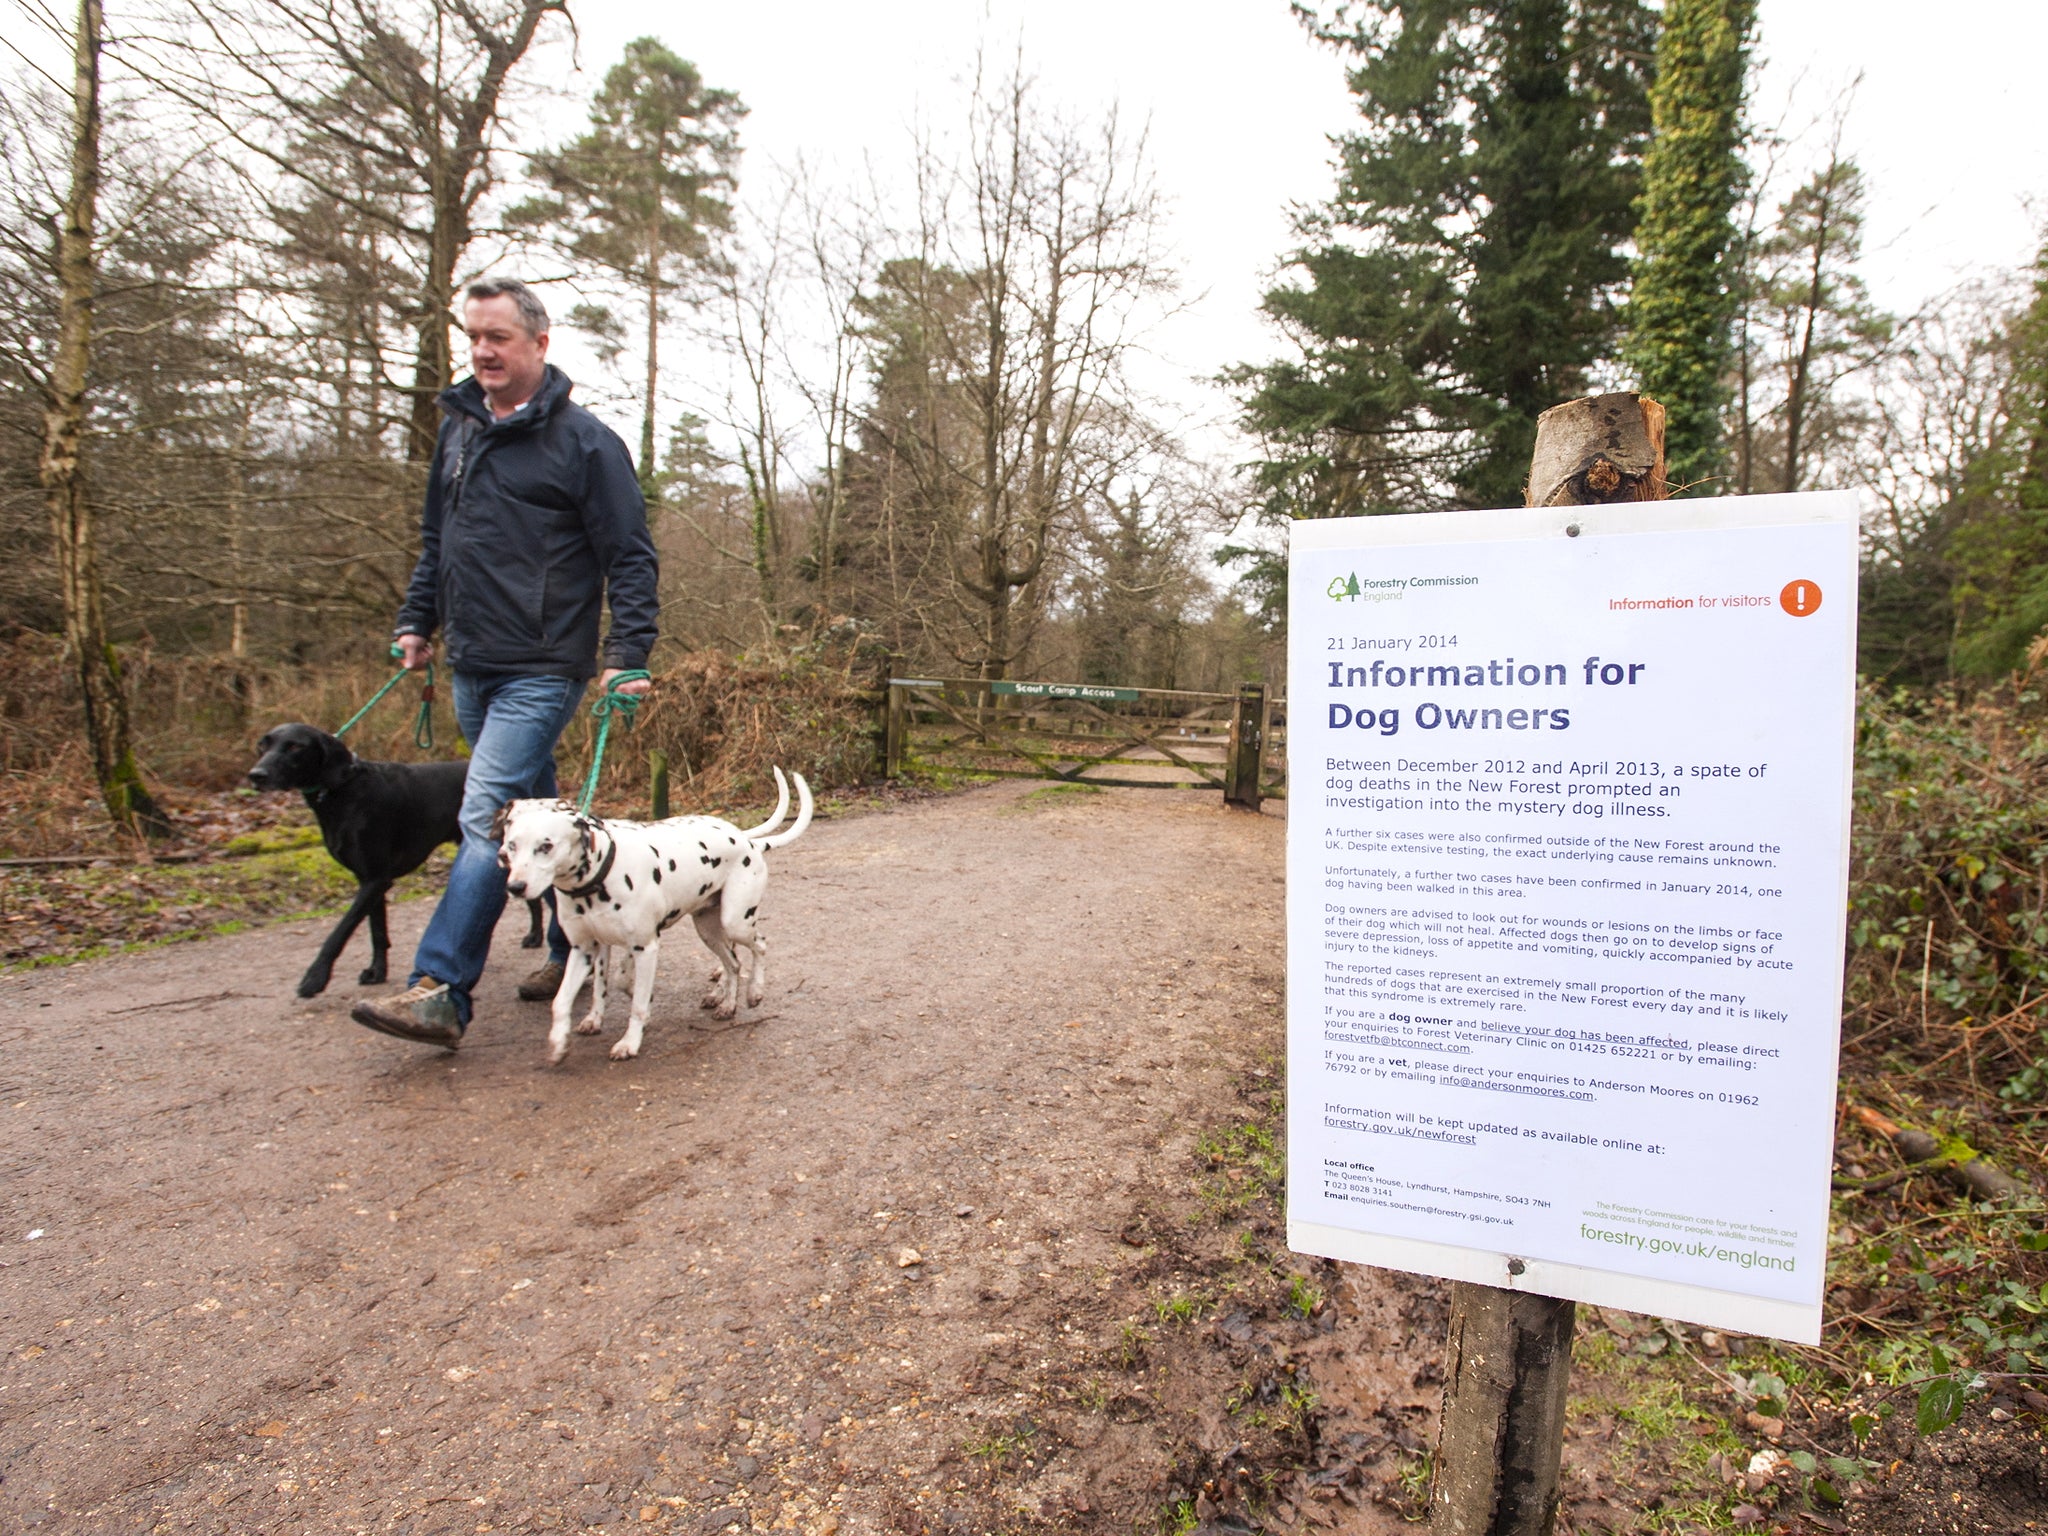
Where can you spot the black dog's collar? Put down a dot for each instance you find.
(597, 880)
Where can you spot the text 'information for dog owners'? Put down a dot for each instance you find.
(1567, 864)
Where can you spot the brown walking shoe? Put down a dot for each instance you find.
(542, 983)
(424, 1012)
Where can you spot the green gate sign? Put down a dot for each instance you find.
(1066, 691)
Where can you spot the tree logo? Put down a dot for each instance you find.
(1342, 587)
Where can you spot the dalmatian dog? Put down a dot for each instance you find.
(620, 885)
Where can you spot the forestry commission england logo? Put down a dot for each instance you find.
(1351, 588)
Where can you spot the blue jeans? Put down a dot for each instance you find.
(512, 724)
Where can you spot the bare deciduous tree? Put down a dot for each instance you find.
(1000, 337)
(409, 94)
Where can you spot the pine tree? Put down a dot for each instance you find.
(1465, 276)
(638, 196)
(1684, 301)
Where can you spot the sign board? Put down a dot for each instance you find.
(1067, 691)
(1567, 863)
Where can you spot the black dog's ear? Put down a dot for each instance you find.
(499, 817)
(334, 755)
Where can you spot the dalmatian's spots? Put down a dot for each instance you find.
(726, 903)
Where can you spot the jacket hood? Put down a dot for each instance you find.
(467, 397)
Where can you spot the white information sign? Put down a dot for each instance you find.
(1567, 858)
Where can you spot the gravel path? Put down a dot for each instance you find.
(851, 1265)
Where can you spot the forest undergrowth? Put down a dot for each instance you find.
(74, 886)
(723, 723)
(1925, 1400)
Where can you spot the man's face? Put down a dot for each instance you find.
(507, 362)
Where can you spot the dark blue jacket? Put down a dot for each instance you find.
(527, 522)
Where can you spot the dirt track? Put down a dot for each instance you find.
(863, 1265)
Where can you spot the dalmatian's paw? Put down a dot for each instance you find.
(624, 1051)
(589, 1024)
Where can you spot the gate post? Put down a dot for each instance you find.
(657, 783)
(1247, 747)
(893, 723)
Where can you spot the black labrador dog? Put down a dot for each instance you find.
(378, 820)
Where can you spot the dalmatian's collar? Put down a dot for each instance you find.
(596, 882)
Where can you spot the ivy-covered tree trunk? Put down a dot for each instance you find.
(63, 460)
(1684, 302)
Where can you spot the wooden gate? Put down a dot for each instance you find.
(1141, 738)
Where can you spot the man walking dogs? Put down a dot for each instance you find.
(533, 516)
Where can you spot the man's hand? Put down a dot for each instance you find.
(604, 682)
(414, 652)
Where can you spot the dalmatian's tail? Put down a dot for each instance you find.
(803, 817)
(781, 808)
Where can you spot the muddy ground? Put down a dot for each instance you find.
(921, 1246)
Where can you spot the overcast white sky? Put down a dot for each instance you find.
(1947, 122)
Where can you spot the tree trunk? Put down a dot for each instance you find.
(62, 468)
(654, 254)
(433, 368)
(1509, 1356)
(458, 148)
(1802, 368)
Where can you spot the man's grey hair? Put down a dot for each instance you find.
(533, 314)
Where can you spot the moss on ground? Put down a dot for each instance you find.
(60, 915)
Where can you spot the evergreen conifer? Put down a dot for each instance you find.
(1465, 276)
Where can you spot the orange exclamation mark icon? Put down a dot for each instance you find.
(1800, 598)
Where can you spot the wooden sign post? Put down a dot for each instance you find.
(1509, 1356)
